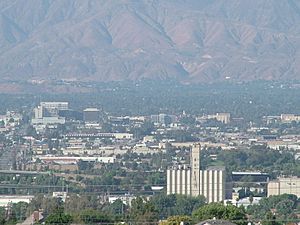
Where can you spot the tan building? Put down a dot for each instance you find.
(287, 118)
(190, 180)
(281, 186)
(222, 117)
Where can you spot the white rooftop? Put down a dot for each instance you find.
(91, 110)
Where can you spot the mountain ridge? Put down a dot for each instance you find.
(187, 40)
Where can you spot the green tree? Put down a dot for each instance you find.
(48, 204)
(176, 220)
(2, 215)
(92, 216)
(219, 211)
(270, 219)
(171, 205)
(185, 205)
(117, 207)
(19, 211)
(143, 211)
(75, 203)
(285, 207)
(58, 217)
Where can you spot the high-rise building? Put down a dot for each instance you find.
(48, 113)
(53, 108)
(191, 180)
(38, 112)
(162, 119)
(154, 118)
(195, 166)
(91, 115)
(49, 109)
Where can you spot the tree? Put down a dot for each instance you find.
(164, 204)
(270, 219)
(185, 205)
(92, 216)
(117, 207)
(176, 220)
(49, 205)
(19, 211)
(75, 203)
(219, 211)
(285, 207)
(30, 131)
(2, 215)
(251, 198)
(83, 165)
(58, 217)
(283, 204)
(170, 205)
(143, 211)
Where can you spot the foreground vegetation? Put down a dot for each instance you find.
(170, 209)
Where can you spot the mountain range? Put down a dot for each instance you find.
(186, 40)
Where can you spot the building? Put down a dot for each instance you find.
(120, 136)
(55, 105)
(223, 117)
(50, 109)
(71, 114)
(6, 200)
(91, 115)
(48, 121)
(256, 177)
(287, 118)
(191, 180)
(154, 118)
(64, 160)
(162, 119)
(126, 198)
(284, 186)
(60, 194)
(47, 114)
(38, 112)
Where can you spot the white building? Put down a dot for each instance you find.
(126, 199)
(49, 109)
(47, 114)
(6, 200)
(73, 159)
(48, 121)
(222, 117)
(54, 107)
(38, 112)
(60, 194)
(190, 180)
